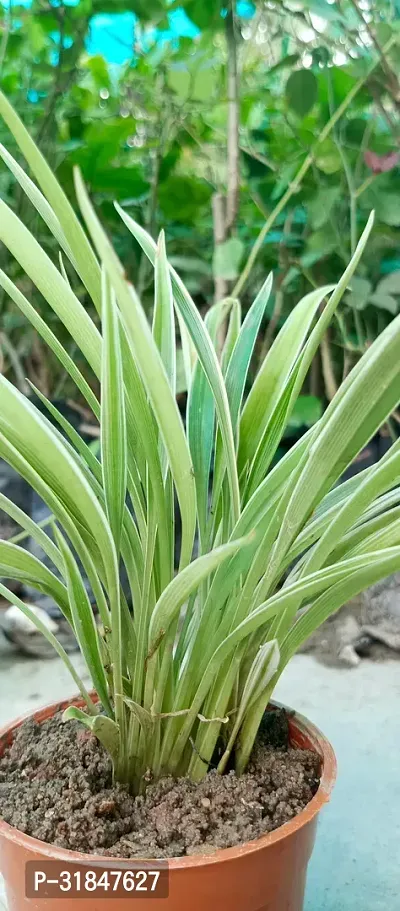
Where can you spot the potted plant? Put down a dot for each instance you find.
(182, 679)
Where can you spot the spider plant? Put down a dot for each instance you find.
(191, 659)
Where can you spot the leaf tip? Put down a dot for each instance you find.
(161, 246)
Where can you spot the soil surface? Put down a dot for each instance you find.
(56, 785)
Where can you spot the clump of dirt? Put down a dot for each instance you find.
(56, 785)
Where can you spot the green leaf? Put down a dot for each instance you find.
(205, 16)
(32, 529)
(207, 356)
(83, 254)
(187, 195)
(163, 318)
(49, 467)
(164, 324)
(320, 207)
(179, 80)
(306, 412)
(84, 622)
(105, 729)
(99, 71)
(181, 379)
(113, 421)
(301, 91)
(387, 207)
(119, 182)
(146, 719)
(262, 671)
(239, 363)
(51, 340)
(50, 283)
(44, 630)
(38, 200)
(289, 61)
(359, 293)
(201, 420)
(227, 259)
(273, 427)
(205, 83)
(390, 284)
(384, 477)
(354, 415)
(142, 438)
(177, 592)
(90, 465)
(152, 370)
(189, 356)
(257, 618)
(236, 374)
(234, 325)
(17, 563)
(385, 302)
(327, 157)
(191, 264)
(330, 308)
(274, 373)
(385, 563)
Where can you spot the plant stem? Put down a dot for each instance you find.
(218, 211)
(365, 184)
(232, 198)
(225, 208)
(5, 36)
(352, 196)
(294, 186)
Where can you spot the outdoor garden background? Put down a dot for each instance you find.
(197, 117)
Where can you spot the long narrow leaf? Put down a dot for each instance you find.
(17, 563)
(33, 529)
(46, 632)
(163, 318)
(201, 421)
(35, 262)
(239, 362)
(274, 373)
(181, 587)
(38, 200)
(153, 374)
(51, 340)
(343, 431)
(78, 242)
(113, 422)
(206, 353)
(84, 623)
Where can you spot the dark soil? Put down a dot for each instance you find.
(56, 785)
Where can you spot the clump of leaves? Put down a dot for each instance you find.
(280, 547)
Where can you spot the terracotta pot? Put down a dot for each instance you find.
(268, 874)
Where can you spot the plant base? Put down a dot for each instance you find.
(264, 875)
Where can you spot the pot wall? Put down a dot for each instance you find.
(266, 875)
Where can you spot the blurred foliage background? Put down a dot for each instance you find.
(196, 117)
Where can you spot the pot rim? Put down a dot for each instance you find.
(297, 723)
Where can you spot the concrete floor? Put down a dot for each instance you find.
(356, 863)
